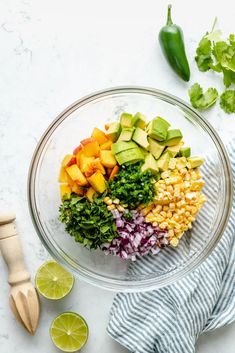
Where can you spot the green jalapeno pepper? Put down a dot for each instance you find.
(172, 44)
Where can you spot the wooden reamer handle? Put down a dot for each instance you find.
(11, 250)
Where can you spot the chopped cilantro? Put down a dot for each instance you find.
(131, 186)
(128, 216)
(89, 223)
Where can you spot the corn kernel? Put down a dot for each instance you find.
(183, 171)
(109, 202)
(163, 213)
(120, 208)
(150, 219)
(163, 225)
(111, 207)
(173, 180)
(159, 218)
(171, 233)
(165, 174)
(116, 201)
(106, 199)
(125, 205)
(169, 214)
(174, 242)
(179, 235)
(172, 163)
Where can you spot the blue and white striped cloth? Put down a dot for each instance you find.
(170, 319)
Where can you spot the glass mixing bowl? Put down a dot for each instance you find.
(76, 123)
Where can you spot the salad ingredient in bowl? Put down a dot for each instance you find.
(150, 271)
(131, 189)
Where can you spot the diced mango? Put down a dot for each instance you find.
(115, 170)
(77, 152)
(64, 190)
(97, 164)
(78, 190)
(106, 126)
(68, 160)
(90, 193)
(76, 175)
(109, 171)
(90, 147)
(92, 167)
(69, 180)
(63, 176)
(97, 181)
(106, 146)
(85, 162)
(99, 135)
(107, 159)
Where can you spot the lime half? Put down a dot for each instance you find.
(69, 332)
(53, 281)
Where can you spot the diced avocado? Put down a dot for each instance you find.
(185, 152)
(155, 148)
(157, 129)
(114, 131)
(141, 121)
(150, 164)
(163, 161)
(121, 146)
(127, 120)
(173, 149)
(130, 156)
(141, 137)
(144, 151)
(195, 161)
(126, 134)
(173, 138)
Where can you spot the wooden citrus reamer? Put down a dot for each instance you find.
(23, 297)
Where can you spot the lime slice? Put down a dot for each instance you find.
(53, 281)
(69, 332)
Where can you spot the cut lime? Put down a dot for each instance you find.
(69, 332)
(53, 281)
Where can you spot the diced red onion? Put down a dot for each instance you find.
(135, 237)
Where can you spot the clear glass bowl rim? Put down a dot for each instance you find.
(114, 284)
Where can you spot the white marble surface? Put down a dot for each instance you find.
(52, 53)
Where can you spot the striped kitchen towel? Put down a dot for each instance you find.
(170, 319)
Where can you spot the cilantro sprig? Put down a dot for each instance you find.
(217, 55)
(91, 224)
(202, 100)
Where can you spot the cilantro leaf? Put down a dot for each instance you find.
(229, 77)
(202, 100)
(227, 101)
(214, 35)
(203, 58)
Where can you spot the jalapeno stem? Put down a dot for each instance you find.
(214, 24)
(169, 20)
